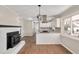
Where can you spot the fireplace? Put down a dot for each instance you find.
(13, 38)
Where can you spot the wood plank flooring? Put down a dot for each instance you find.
(31, 48)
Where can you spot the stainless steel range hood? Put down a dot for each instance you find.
(44, 18)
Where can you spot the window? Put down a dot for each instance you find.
(75, 25)
(71, 25)
(67, 25)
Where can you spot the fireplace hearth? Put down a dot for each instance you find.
(13, 38)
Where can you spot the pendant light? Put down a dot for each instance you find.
(38, 16)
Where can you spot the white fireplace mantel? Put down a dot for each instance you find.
(3, 38)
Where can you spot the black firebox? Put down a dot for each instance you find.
(13, 38)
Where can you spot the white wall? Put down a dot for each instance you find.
(67, 40)
(8, 17)
(27, 27)
(54, 23)
(71, 43)
(58, 22)
(22, 26)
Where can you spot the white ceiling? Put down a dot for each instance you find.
(27, 11)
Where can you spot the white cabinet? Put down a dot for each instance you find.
(48, 38)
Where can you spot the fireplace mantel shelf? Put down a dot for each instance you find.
(9, 26)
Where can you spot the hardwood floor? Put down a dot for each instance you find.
(31, 48)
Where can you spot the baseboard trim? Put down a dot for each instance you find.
(46, 43)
